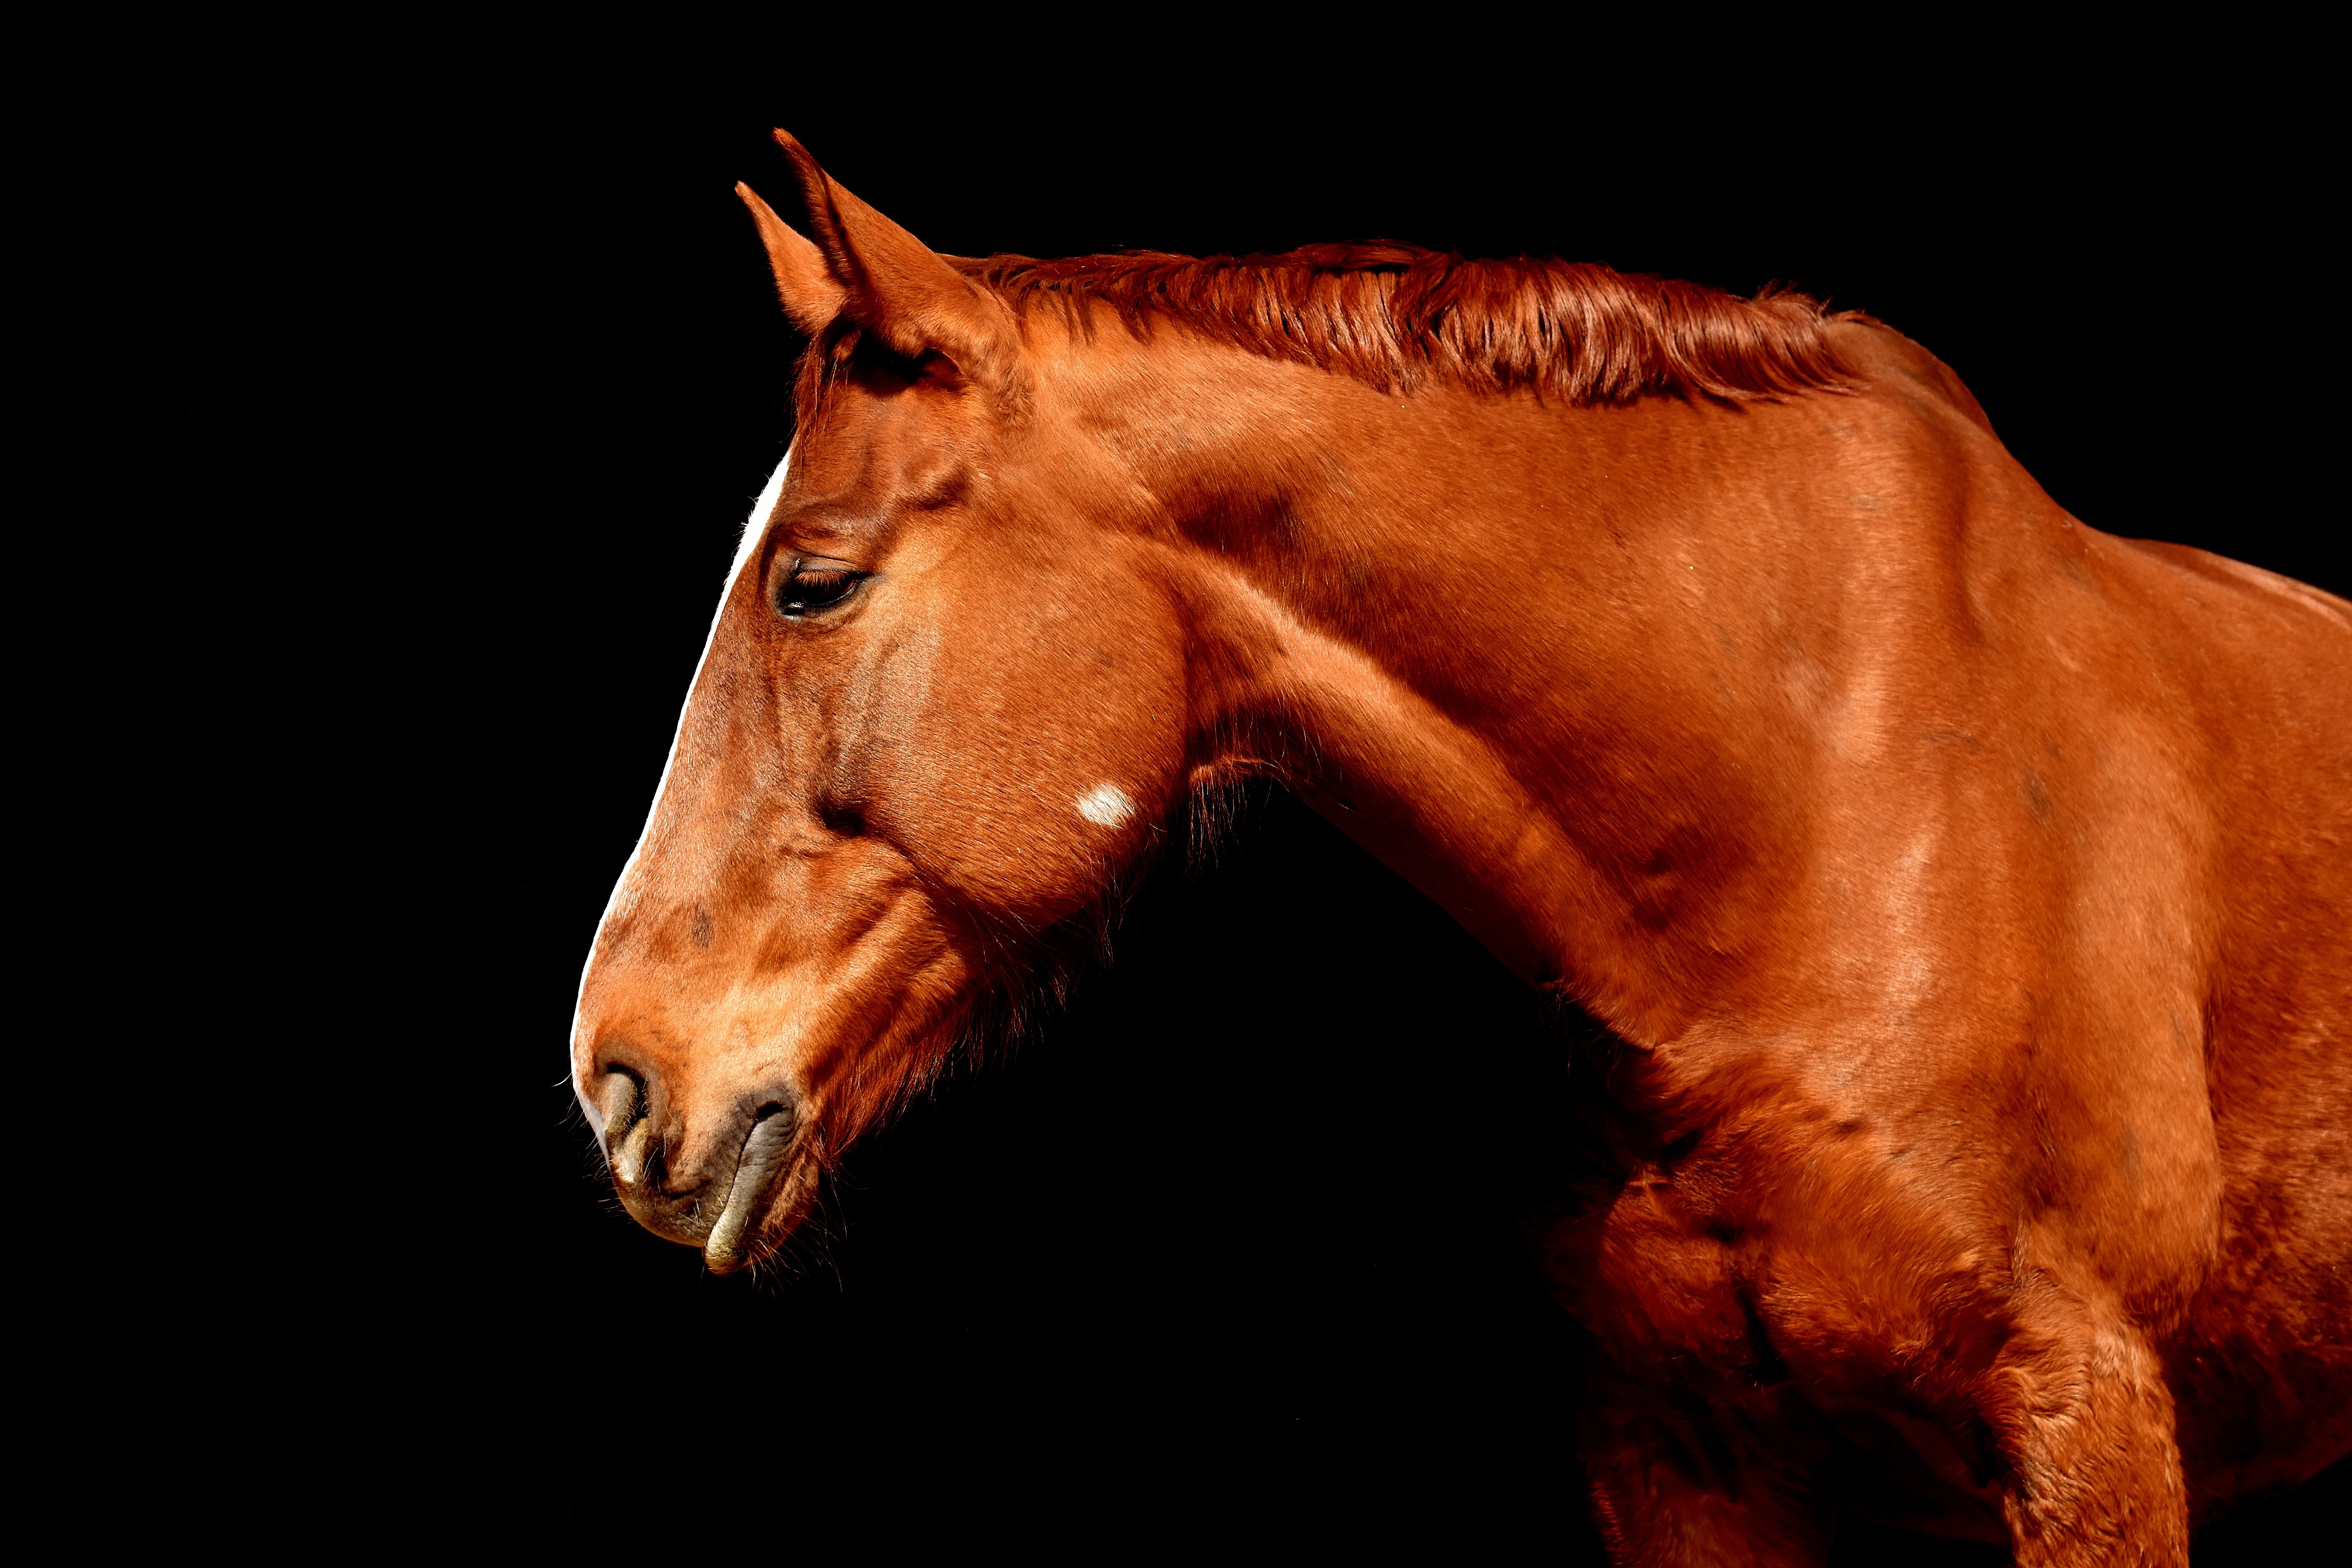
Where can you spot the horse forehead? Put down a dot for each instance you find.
(860, 441)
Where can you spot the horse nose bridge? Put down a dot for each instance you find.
(702, 845)
(694, 919)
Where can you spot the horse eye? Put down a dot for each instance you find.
(816, 586)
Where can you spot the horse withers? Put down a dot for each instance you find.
(1963, 890)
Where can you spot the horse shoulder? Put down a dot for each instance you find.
(2166, 769)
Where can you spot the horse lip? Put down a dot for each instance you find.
(758, 1172)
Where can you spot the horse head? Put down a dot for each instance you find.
(941, 708)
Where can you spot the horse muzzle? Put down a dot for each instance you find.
(724, 1205)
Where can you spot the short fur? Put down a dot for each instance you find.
(1963, 889)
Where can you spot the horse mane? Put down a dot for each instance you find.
(1398, 316)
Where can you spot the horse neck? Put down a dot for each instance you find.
(1538, 660)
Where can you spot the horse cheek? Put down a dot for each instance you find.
(1026, 768)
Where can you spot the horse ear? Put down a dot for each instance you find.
(811, 298)
(894, 285)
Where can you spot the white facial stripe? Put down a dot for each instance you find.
(755, 529)
(1105, 806)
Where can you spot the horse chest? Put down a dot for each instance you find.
(1662, 1286)
(1684, 1280)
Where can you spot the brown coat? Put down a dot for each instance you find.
(1964, 888)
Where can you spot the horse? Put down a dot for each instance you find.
(1957, 892)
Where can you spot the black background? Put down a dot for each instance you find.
(1229, 1253)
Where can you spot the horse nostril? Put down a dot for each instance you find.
(629, 1158)
(626, 1127)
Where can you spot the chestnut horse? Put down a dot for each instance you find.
(1967, 893)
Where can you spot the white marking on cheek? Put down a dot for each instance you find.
(1105, 806)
